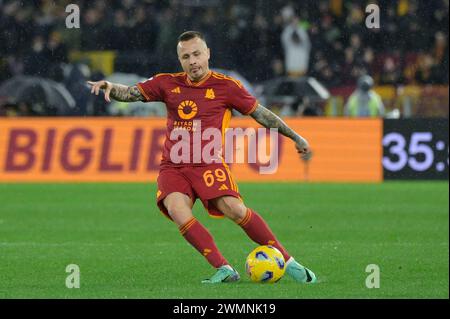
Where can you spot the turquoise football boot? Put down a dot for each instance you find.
(224, 274)
(300, 273)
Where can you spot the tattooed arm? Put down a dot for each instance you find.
(116, 91)
(269, 120)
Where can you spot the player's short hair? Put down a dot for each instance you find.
(188, 35)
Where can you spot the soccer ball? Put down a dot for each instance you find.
(265, 264)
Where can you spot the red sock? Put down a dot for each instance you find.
(258, 230)
(199, 237)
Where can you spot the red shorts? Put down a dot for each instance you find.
(203, 182)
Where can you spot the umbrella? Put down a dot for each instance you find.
(290, 93)
(289, 90)
(46, 97)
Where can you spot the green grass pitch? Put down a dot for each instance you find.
(126, 249)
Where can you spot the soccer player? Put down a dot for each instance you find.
(198, 94)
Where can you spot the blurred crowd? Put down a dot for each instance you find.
(261, 39)
(410, 47)
(251, 36)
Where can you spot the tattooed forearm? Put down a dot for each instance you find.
(125, 93)
(268, 119)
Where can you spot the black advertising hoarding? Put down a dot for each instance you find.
(415, 149)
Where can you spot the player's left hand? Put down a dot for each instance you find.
(303, 148)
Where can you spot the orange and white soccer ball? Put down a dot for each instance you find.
(265, 264)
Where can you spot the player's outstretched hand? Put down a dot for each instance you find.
(303, 149)
(101, 85)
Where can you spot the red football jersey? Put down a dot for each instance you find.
(195, 107)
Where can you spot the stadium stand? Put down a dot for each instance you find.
(138, 36)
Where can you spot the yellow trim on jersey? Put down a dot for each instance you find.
(221, 76)
(225, 123)
(201, 82)
(253, 108)
(171, 74)
(143, 92)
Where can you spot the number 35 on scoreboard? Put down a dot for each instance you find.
(415, 149)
